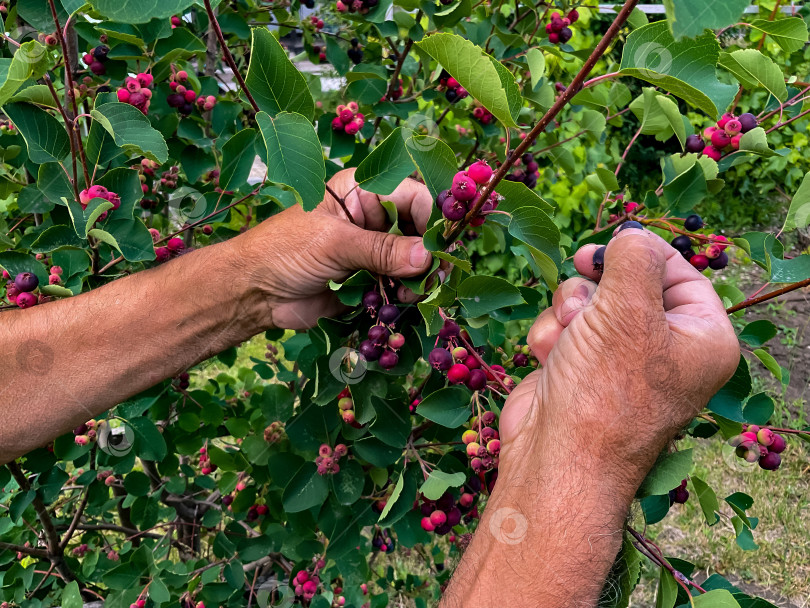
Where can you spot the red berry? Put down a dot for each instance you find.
(720, 140)
(554, 38)
(779, 444)
(458, 373)
(713, 153)
(427, 525)
(175, 244)
(770, 461)
(437, 518)
(477, 380)
(480, 172)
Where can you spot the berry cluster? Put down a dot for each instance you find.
(327, 459)
(356, 6)
(306, 584)
(88, 194)
(760, 445)
(346, 407)
(723, 138)
(81, 550)
(522, 357)
(20, 290)
(348, 119)
(316, 22)
(256, 511)
(48, 39)
(382, 343)
(206, 466)
(395, 94)
(441, 515)
(558, 30)
(320, 52)
(454, 203)
(530, 172)
(712, 252)
(356, 52)
(483, 445)
(679, 495)
(87, 433)
(382, 541)
(6, 126)
(174, 246)
(183, 96)
(137, 91)
(96, 59)
(274, 432)
(453, 90)
(483, 115)
(107, 477)
(176, 21)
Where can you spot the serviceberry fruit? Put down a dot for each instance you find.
(631, 224)
(770, 461)
(389, 359)
(449, 330)
(458, 373)
(695, 144)
(372, 300)
(477, 380)
(747, 122)
(454, 209)
(378, 335)
(480, 172)
(396, 341)
(440, 359)
(370, 351)
(442, 197)
(682, 243)
(27, 300)
(693, 223)
(464, 187)
(699, 261)
(520, 360)
(599, 258)
(388, 314)
(26, 281)
(713, 153)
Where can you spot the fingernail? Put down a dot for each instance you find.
(419, 255)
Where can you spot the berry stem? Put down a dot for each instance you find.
(599, 79)
(768, 296)
(226, 54)
(775, 429)
(653, 552)
(549, 116)
(70, 131)
(627, 150)
(779, 125)
(340, 202)
(471, 350)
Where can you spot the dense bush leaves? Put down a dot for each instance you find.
(45, 136)
(685, 68)
(387, 165)
(131, 130)
(141, 11)
(691, 17)
(790, 33)
(30, 61)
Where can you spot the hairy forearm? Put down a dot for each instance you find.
(65, 362)
(548, 537)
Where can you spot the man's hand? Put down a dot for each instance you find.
(292, 256)
(628, 359)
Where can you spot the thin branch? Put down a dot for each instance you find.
(76, 519)
(768, 296)
(69, 125)
(561, 102)
(341, 202)
(32, 551)
(226, 53)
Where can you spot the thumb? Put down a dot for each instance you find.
(635, 269)
(383, 253)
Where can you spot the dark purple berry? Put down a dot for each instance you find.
(175, 100)
(98, 68)
(695, 143)
(449, 330)
(440, 359)
(477, 379)
(682, 243)
(372, 300)
(631, 224)
(378, 335)
(26, 281)
(389, 360)
(388, 314)
(453, 516)
(693, 222)
(100, 52)
(688, 254)
(370, 351)
(451, 95)
(565, 34)
(680, 495)
(454, 210)
(520, 360)
(443, 196)
(719, 262)
(748, 121)
(599, 259)
(770, 462)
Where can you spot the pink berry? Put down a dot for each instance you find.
(352, 128)
(720, 139)
(181, 76)
(123, 95)
(427, 524)
(190, 96)
(458, 373)
(26, 300)
(494, 447)
(765, 437)
(452, 83)
(480, 172)
(733, 127)
(472, 448)
(464, 188)
(778, 446)
(724, 120)
(175, 244)
(396, 341)
(712, 153)
(437, 518)
(162, 254)
(469, 436)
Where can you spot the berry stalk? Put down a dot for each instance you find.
(549, 116)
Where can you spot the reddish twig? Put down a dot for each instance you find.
(768, 296)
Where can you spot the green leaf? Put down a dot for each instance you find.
(38, 94)
(16, 262)
(481, 295)
(137, 483)
(769, 362)
(349, 482)
(305, 490)
(668, 472)
(758, 409)
(237, 159)
(272, 79)
(131, 130)
(537, 66)
(790, 33)
(753, 69)
(756, 141)
(45, 136)
(294, 156)
(149, 442)
(129, 236)
(71, 596)
(685, 69)
(718, 598)
(758, 333)
(686, 190)
(602, 180)
(623, 576)
(728, 400)
(667, 590)
(435, 161)
(387, 166)
(140, 11)
(690, 17)
(708, 500)
(438, 482)
(449, 407)
(673, 115)
(30, 61)
(798, 215)
(55, 237)
(401, 501)
(485, 78)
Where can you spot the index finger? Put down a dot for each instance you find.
(411, 198)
